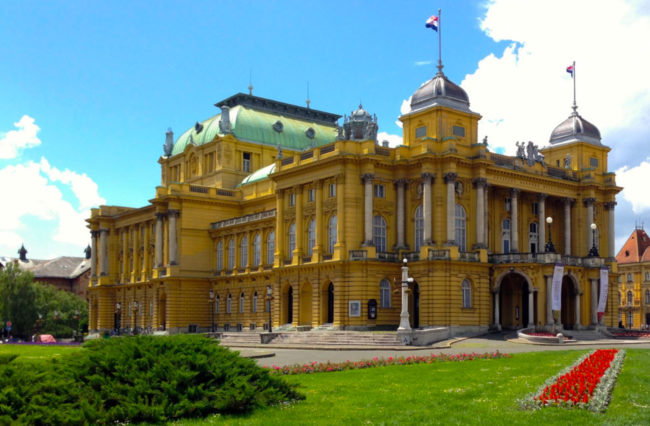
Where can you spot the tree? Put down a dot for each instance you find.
(59, 309)
(18, 300)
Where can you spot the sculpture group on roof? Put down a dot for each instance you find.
(529, 152)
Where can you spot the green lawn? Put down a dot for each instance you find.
(471, 392)
(32, 353)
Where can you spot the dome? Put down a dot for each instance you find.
(360, 115)
(440, 91)
(575, 128)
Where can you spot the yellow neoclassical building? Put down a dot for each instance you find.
(267, 197)
(634, 280)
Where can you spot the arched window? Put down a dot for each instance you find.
(241, 303)
(219, 255)
(292, 238)
(379, 233)
(311, 237)
(270, 247)
(231, 254)
(460, 228)
(255, 302)
(257, 249)
(630, 319)
(216, 304)
(467, 294)
(630, 298)
(505, 235)
(331, 234)
(229, 304)
(243, 252)
(419, 227)
(384, 293)
(533, 237)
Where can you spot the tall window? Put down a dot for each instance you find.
(231, 254)
(246, 162)
(331, 234)
(419, 227)
(630, 298)
(647, 276)
(270, 247)
(257, 249)
(460, 228)
(292, 238)
(379, 233)
(630, 319)
(311, 237)
(292, 199)
(229, 304)
(332, 190)
(380, 191)
(533, 237)
(216, 304)
(241, 303)
(534, 208)
(243, 252)
(219, 255)
(467, 294)
(384, 293)
(629, 278)
(311, 195)
(505, 235)
(255, 302)
(647, 297)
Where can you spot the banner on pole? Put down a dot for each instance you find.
(556, 288)
(604, 283)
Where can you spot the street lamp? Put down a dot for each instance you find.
(118, 318)
(269, 298)
(404, 315)
(549, 245)
(135, 316)
(593, 252)
(76, 318)
(211, 297)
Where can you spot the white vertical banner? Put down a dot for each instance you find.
(604, 283)
(556, 295)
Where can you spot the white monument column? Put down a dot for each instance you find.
(531, 309)
(577, 324)
(541, 220)
(567, 226)
(486, 238)
(549, 299)
(514, 226)
(594, 300)
(159, 239)
(480, 212)
(450, 180)
(611, 253)
(367, 206)
(93, 253)
(404, 316)
(589, 203)
(173, 241)
(426, 207)
(103, 257)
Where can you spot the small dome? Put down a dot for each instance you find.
(575, 128)
(440, 91)
(360, 115)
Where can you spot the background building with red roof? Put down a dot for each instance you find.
(634, 282)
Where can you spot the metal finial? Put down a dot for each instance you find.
(573, 75)
(308, 101)
(440, 66)
(250, 83)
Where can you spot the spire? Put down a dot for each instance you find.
(573, 76)
(22, 252)
(308, 101)
(440, 66)
(250, 83)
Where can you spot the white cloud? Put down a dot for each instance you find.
(393, 140)
(403, 109)
(634, 180)
(12, 142)
(82, 186)
(422, 63)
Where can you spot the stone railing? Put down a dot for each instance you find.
(468, 256)
(387, 256)
(435, 254)
(410, 256)
(546, 258)
(358, 255)
(243, 219)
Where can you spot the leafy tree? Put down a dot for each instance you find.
(17, 300)
(58, 309)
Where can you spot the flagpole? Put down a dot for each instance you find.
(575, 106)
(439, 42)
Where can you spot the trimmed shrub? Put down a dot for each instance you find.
(138, 379)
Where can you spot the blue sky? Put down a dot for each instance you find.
(88, 89)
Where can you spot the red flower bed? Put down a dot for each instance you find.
(577, 386)
(642, 334)
(540, 334)
(319, 367)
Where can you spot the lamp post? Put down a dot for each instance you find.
(135, 316)
(404, 316)
(549, 248)
(269, 298)
(593, 251)
(76, 318)
(211, 296)
(118, 318)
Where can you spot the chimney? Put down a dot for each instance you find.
(22, 252)
(384, 144)
(169, 142)
(224, 123)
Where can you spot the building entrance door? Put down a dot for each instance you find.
(330, 304)
(290, 305)
(568, 315)
(513, 302)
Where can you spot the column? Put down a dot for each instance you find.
(611, 240)
(125, 255)
(103, 257)
(541, 219)
(159, 239)
(367, 209)
(567, 226)
(486, 238)
(514, 214)
(531, 309)
(426, 208)
(93, 253)
(450, 180)
(135, 251)
(318, 249)
(299, 229)
(480, 212)
(404, 315)
(589, 203)
(577, 324)
(173, 241)
(339, 247)
(497, 315)
(145, 251)
(593, 282)
(278, 255)
(549, 299)
(400, 185)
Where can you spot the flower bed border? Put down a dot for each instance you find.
(327, 367)
(601, 396)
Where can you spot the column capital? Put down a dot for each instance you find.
(427, 175)
(610, 205)
(450, 177)
(400, 181)
(103, 230)
(94, 234)
(367, 177)
(569, 201)
(161, 215)
(318, 183)
(588, 201)
(514, 192)
(542, 196)
(173, 212)
(479, 182)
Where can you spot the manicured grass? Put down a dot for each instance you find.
(35, 353)
(470, 392)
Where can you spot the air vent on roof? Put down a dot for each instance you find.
(310, 133)
(198, 127)
(277, 126)
(627, 253)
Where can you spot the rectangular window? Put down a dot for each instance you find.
(380, 191)
(593, 162)
(421, 132)
(507, 204)
(647, 276)
(534, 207)
(292, 199)
(311, 194)
(629, 278)
(332, 190)
(246, 164)
(458, 131)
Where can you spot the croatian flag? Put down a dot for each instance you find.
(432, 23)
(569, 69)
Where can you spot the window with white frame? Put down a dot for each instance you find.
(419, 227)
(379, 233)
(461, 239)
(647, 297)
(507, 204)
(243, 252)
(467, 293)
(292, 238)
(533, 237)
(505, 235)
(254, 302)
(241, 303)
(332, 192)
(384, 293)
(292, 199)
(331, 234)
(647, 276)
(229, 304)
(311, 237)
(534, 208)
(219, 255)
(311, 194)
(270, 247)
(629, 278)
(630, 298)
(257, 249)
(216, 304)
(630, 319)
(380, 191)
(231, 254)
(246, 161)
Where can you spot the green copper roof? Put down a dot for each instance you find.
(253, 125)
(259, 174)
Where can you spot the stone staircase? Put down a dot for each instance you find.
(314, 338)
